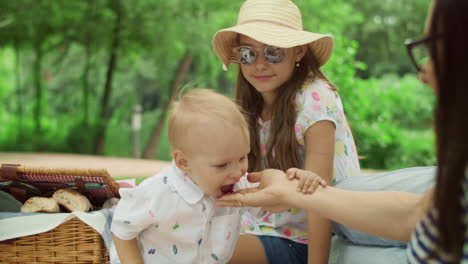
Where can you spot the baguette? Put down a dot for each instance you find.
(40, 204)
(72, 200)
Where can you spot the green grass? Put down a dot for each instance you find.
(138, 179)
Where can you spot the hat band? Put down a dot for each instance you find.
(269, 21)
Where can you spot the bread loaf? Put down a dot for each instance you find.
(72, 200)
(40, 204)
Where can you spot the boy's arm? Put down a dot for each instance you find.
(128, 250)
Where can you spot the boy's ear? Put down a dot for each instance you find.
(180, 159)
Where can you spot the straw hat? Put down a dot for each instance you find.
(273, 22)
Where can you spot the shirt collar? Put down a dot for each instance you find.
(189, 191)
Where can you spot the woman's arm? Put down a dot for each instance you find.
(127, 250)
(388, 214)
(319, 154)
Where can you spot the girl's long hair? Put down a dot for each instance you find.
(282, 148)
(449, 52)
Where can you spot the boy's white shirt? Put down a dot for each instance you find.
(175, 222)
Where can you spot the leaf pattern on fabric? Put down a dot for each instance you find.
(214, 256)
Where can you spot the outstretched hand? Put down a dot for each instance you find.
(272, 194)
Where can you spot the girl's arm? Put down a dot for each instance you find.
(127, 250)
(320, 149)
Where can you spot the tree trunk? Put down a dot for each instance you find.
(38, 88)
(85, 81)
(19, 99)
(88, 53)
(105, 112)
(152, 146)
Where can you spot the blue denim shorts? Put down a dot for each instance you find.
(281, 250)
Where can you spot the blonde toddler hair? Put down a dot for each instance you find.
(200, 113)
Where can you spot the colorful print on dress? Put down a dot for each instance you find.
(266, 229)
(339, 148)
(150, 212)
(316, 96)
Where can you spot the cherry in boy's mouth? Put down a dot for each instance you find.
(227, 189)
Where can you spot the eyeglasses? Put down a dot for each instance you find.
(248, 55)
(418, 52)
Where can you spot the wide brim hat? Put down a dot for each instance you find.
(272, 22)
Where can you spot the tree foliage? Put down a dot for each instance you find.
(72, 71)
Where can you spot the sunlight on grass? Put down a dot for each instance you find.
(137, 179)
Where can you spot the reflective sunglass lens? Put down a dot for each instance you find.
(247, 55)
(274, 54)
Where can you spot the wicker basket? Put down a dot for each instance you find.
(96, 184)
(71, 242)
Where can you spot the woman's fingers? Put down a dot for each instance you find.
(244, 197)
(273, 188)
(225, 203)
(255, 176)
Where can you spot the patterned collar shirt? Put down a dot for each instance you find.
(175, 222)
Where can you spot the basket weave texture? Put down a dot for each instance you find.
(70, 242)
(51, 179)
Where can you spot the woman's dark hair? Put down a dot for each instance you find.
(449, 25)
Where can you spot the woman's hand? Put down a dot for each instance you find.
(273, 194)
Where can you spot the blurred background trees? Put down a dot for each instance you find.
(71, 72)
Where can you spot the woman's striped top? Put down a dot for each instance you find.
(426, 233)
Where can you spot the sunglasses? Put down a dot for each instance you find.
(248, 55)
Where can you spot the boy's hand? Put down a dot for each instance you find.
(308, 181)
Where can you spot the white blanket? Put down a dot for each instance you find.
(14, 225)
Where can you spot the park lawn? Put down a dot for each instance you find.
(138, 179)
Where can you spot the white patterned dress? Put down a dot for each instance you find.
(314, 102)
